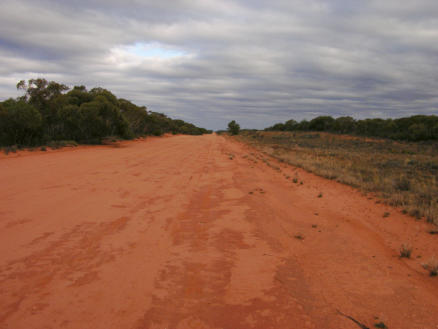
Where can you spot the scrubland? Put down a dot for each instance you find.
(401, 174)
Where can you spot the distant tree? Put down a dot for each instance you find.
(344, 125)
(434, 131)
(276, 127)
(413, 128)
(303, 125)
(290, 125)
(233, 128)
(418, 131)
(321, 123)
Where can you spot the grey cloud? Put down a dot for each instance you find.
(254, 61)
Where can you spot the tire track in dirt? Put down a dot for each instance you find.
(78, 256)
(200, 232)
(218, 275)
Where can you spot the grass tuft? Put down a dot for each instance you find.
(405, 251)
(299, 236)
(432, 266)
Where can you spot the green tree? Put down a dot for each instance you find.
(321, 123)
(135, 115)
(344, 125)
(418, 131)
(276, 127)
(79, 95)
(233, 128)
(70, 119)
(20, 123)
(39, 92)
(100, 118)
(290, 125)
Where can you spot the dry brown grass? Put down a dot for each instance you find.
(405, 250)
(432, 267)
(403, 174)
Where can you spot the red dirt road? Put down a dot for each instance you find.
(198, 232)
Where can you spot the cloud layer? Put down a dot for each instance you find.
(211, 61)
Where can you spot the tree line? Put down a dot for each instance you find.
(50, 111)
(413, 128)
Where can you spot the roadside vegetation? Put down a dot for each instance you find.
(233, 128)
(404, 174)
(49, 113)
(414, 128)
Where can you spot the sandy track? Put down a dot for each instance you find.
(199, 232)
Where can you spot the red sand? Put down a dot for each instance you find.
(172, 233)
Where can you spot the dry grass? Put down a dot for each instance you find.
(299, 236)
(405, 251)
(403, 174)
(432, 267)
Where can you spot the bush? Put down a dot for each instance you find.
(402, 184)
(233, 128)
(432, 267)
(20, 123)
(405, 251)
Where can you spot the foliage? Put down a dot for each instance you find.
(20, 123)
(233, 128)
(49, 111)
(414, 128)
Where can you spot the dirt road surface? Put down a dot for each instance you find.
(200, 232)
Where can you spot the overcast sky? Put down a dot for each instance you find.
(212, 61)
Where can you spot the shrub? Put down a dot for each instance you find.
(20, 123)
(432, 267)
(402, 184)
(299, 236)
(405, 251)
(233, 128)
